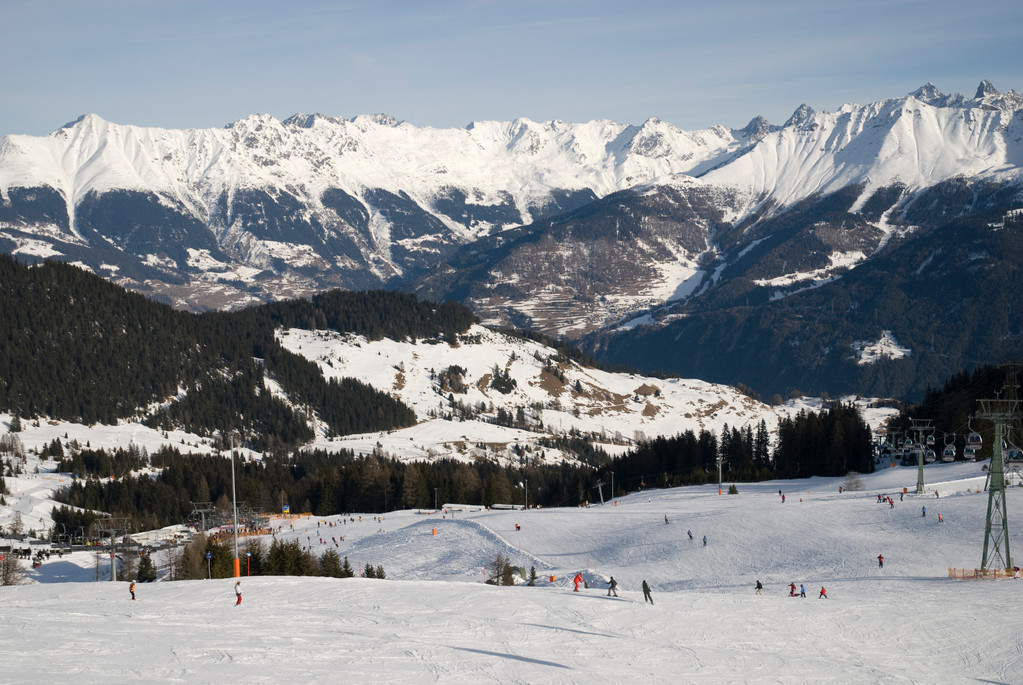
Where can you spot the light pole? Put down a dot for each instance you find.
(526, 490)
(719, 474)
(612, 488)
(234, 503)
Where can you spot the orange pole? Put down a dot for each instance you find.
(237, 568)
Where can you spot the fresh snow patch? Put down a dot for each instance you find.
(886, 347)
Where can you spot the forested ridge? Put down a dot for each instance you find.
(76, 347)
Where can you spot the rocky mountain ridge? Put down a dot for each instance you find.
(570, 229)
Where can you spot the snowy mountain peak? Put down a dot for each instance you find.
(379, 119)
(311, 120)
(757, 128)
(985, 89)
(928, 93)
(803, 114)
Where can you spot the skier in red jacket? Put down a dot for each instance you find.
(578, 579)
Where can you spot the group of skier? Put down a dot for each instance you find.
(759, 587)
(237, 591)
(612, 587)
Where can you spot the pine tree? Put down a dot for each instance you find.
(330, 564)
(346, 569)
(146, 572)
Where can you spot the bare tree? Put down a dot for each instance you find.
(11, 570)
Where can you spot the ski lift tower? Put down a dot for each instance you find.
(920, 426)
(113, 527)
(200, 510)
(996, 530)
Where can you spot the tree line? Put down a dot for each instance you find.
(831, 442)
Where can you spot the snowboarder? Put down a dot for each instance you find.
(611, 585)
(802, 591)
(792, 589)
(760, 586)
(783, 499)
(646, 593)
(578, 579)
(880, 561)
(940, 520)
(704, 540)
(690, 533)
(824, 593)
(131, 589)
(238, 592)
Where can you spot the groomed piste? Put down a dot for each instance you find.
(434, 620)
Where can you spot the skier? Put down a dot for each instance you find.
(940, 520)
(665, 519)
(690, 534)
(612, 584)
(760, 586)
(802, 591)
(880, 561)
(792, 589)
(923, 511)
(578, 579)
(704, 540)
(783, 499)
(646, 593)
(238, 592)
(131, 589)
(1015, 572)
(824, 593)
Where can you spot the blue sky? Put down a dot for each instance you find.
(189, 64)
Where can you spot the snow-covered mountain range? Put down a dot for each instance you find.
(565, 228)
(267, 208)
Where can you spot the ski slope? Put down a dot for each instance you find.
(434, 621)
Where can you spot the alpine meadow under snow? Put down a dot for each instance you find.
(434, 620)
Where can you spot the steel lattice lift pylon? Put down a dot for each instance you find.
(996, 530)
(113, 527)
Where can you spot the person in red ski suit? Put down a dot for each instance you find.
(578, 579)
(238, 592)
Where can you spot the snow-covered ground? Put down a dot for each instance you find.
(434, 621)
(613, 409)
